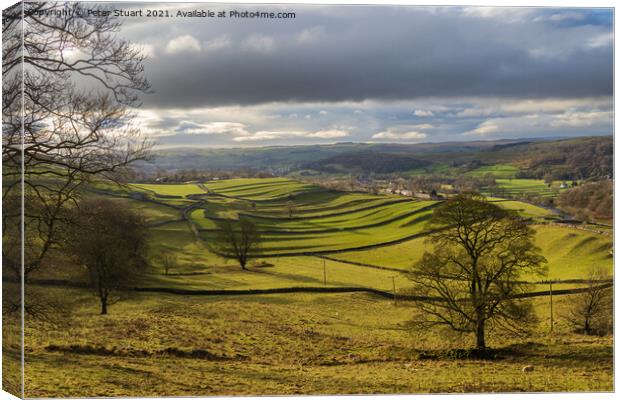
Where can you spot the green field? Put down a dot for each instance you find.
(179, 190)
(152, 212)
(302, 343)
(499, 171)
(570, 252)
(526, 210)
(520, 187)
(336, 223)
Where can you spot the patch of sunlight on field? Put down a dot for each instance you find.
(570, 252)
(526, 210)
(287, 243)
(260, 189)
(516, 187)
(180, 190)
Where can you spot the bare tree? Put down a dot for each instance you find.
(168, 261)
(591, 312)
(241, 242)
(71, 132)
(480, 252)
(111, 243)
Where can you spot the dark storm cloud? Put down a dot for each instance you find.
(331, 54)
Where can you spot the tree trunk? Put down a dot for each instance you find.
(480, 343)
(104, 305)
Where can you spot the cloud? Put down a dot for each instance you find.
(421, 126)
(570, 15)
(310, 35)
(602, 40)
(512, 107)
(220, 42)
(481, 118)
(581, 119)
(329, 134)
(185, 43)
(258, 43)
(147, 50)
(213, 128)
(454, 52)
(395, 133)
(484, 129)
(423, 113)
(274, 135)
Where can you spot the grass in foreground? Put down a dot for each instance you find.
(165, 345)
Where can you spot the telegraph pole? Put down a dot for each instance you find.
(551, 303)
(324, 273)
(394, 288)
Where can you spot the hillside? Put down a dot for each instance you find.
(565, 159)
(322, 306)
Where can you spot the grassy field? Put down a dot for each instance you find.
(570, 252)
(499, 171)
(182, 345)
(166, 345)
(151, 212)
(179, 190)
(520, 187)
(260, 189)
(526, 210)
(353, 220)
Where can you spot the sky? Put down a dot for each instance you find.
(374, 74)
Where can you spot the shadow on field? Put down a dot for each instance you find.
(559, 353)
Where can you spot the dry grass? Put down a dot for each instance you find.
(287, 344)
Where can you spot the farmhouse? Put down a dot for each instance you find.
(422, 195)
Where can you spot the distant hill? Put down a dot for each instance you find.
(577, 158)
(367, 162)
